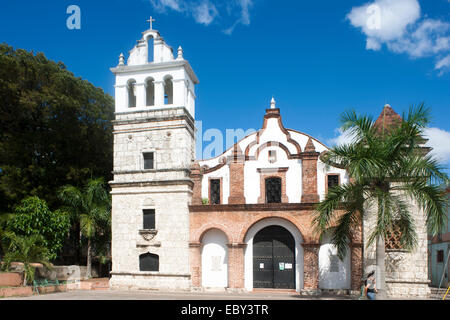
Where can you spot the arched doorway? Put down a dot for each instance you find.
(274, 258)
(215, 259)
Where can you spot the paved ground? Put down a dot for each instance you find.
(151, 295)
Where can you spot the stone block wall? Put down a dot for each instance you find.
(167, 189)
(406, 271)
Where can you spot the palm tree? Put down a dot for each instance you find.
(386, 165)
(27, 250)
(91, 207)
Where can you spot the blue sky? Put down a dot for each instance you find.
(318, 58)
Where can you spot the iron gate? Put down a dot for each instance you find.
(274, 259)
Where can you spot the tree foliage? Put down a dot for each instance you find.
(33, 217)
(91, 207)
(55, 128)
(28, 250)
(388, 167)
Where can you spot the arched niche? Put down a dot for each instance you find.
(214, 259)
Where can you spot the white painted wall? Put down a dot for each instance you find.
(140, 69)
(223, 173)
(252, 181)
(214, 260)
(248, 258)
(333, 280)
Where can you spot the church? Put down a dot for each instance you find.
(237, 222)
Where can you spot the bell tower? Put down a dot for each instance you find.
(154, 146)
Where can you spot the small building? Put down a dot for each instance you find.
(439, 254)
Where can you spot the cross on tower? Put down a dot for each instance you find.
(151, 22)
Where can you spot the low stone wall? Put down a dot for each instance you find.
(150, 282)
(61, 273)
(64, 273)
(52, 289)
(16, 292)
(11, 279)
(407, 290)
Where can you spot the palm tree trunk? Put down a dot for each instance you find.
(89, 259)
(381, 269)
(25, 278)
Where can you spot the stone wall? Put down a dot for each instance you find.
(406, 271)
(167, 189)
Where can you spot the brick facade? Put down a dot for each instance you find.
(235, 221)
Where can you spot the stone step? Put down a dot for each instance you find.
(437, 293)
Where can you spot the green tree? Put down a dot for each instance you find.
(28, 250)
(55, 128)
(91, 206)
(388, 168)
(33, 217)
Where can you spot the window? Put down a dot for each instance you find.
(333, 181)
(149, 262)
(440, 256)
(149, 160)
(150, 46)
(149, 219)
(168, 90)
(273, 190)
(150, 92)
(272, 156)
(214, 191)
(393, 239)
(131, 94)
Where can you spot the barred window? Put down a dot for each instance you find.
(440, 256)
(393, 240)
(333, 180)
(215, 191)
(149, 160)
(149, 262)
(149, 219)
(273, 190)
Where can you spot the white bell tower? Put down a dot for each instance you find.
(153, 78)
(154, 147)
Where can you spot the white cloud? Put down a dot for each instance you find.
(342, 138)
(439, 140)
(400, 26)
(162, 5)
(207, 11)
(443, 64)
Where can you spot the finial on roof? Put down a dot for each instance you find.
(273, 103)
(180, 53)
(121, 60)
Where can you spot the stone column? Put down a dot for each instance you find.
(196, 264)
(159, 93)
(236, 265)
(141, 95)
(196, 177)
(311, 266)
(309, 173)
(236, 164)
(179, 93)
